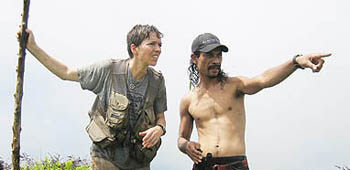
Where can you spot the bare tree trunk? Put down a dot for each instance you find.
(16, 128)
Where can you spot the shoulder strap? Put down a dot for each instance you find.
(119, 70)
(155, 80)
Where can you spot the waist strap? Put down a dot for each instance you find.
(225, 160)
(222, 163)
(231, 166)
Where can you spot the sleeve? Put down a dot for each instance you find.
(94, 77)
(160, 103)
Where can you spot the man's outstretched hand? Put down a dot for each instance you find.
(313, 61)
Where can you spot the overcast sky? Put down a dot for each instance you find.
(302, 123)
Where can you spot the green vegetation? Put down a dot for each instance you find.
(55, 162)
(52, 162)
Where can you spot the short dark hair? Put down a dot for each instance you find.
(139, 33)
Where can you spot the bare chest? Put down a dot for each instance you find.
(216, 104)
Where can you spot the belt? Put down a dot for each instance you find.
(222, 163)
(230, 166)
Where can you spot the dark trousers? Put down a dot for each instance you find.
(222, 163)
(103, 164)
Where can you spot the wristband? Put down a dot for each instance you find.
(295, 63)
(163, 129)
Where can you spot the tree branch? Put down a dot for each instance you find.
(16, 128)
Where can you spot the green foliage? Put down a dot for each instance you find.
(54, 163)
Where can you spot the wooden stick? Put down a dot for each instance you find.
(16, 128)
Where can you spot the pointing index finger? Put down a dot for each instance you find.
(323, 55)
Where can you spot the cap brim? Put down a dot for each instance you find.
(214, 46)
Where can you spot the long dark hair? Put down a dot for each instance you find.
(194, 77)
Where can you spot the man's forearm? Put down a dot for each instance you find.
(182, 144)
(275, 75)
(161, 119)
(55, 66)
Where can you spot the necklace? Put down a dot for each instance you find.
(133, 83)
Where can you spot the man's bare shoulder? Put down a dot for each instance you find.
(185, 104)
(186, 99)
(236, 81)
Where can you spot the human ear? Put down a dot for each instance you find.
(133, 49)
(194, 58)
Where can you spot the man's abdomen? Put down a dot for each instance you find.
(222, 139)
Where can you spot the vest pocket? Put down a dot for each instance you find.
(117, 111)
(95, 132)
(99, 133)
(146, 121)
(146, 155)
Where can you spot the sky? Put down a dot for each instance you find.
(302, 123)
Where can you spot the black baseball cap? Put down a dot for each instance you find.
(207, 42)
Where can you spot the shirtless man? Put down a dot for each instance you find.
(216, 104)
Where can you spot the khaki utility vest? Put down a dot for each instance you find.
(108, 127)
